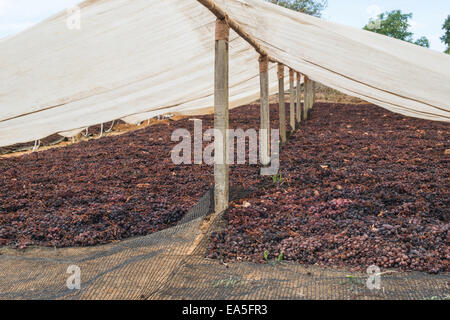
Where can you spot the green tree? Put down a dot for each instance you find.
(395, 24)
(423, 42)
(311, 7)
(446, 37)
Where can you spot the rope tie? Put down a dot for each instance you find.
(263, 64)
(112, 126)
(37, 144)
(222, 30)
(280, 71)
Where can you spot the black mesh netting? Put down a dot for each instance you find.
(171, 264)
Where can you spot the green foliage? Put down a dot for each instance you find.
(278, 260)
(280, 257)
(392, 24)
(277, 178)
(423, 42)
(446, 37)
(395, 24)
(311, 7)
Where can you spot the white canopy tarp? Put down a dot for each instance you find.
(138, 59)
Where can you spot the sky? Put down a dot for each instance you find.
(428, 16)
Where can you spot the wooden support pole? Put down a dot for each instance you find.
(313, 94)
(281, 103)
(221, 93)
(298, 112)
(308, 96)
(291, 100)
(305, 102)
(265, 111)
